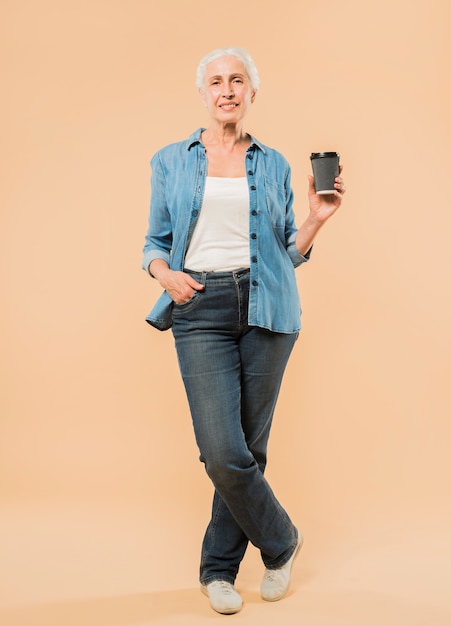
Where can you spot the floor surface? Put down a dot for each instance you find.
(92, 565)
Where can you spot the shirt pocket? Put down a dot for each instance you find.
(276, 203)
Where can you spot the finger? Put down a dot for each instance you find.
(340, 184)
(194, 283)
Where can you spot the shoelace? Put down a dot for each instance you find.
(225, 586)
(270, 575)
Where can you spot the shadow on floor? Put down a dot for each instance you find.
(128, 610)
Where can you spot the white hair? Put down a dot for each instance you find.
(233, 51)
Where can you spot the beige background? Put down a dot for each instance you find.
(103, 500)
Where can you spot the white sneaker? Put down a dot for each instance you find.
(276, 582)
(223, 597)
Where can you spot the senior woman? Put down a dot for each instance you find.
(223, 244)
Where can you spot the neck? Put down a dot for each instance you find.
(225, 135)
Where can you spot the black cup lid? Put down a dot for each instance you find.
(321, 155)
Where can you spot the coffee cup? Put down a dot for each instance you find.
(326, 167)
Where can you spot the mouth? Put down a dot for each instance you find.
(228, 106)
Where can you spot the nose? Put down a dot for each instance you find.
(228, 92)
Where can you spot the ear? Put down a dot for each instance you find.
(253, 96)
(201, 93)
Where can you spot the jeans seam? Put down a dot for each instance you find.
(213, 533)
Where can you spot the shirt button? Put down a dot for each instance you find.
(254, 212)
(195, 212)
(250, 156)
(254, 259)
(250, 172)
(255, 283)
(253, 236)
(253, 187)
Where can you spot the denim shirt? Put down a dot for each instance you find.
(178, 180)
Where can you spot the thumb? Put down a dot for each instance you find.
(311, 185)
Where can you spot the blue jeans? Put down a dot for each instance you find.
(232, 374)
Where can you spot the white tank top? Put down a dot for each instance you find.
(220, 241)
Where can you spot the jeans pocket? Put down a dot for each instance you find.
(187, 306)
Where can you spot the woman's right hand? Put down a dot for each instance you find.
(179, 286)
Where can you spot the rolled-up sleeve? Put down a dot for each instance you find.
(296, 257)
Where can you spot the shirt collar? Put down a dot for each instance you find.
(194, 139)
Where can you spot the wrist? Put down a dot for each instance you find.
(313, 222)
(158, 269)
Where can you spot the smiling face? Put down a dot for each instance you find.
(227, 92)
